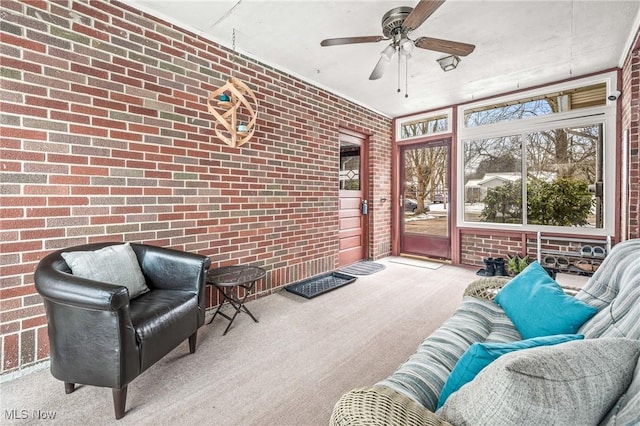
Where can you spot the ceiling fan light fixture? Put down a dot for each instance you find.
(388, 52)
(406, 47)
(397, 24)
(449, 63)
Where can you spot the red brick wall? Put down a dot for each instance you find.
(475, 246)
(106, 136)
(631, 124)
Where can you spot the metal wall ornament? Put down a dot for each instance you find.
(230, 103)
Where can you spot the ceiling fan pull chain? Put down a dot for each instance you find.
(399, 63)
(406, 77)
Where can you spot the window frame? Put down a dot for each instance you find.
(447, 112)
(607, 115)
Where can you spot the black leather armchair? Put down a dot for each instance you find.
(99, 337)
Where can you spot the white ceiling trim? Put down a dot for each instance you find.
(632, 38)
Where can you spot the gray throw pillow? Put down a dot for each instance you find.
(115, 264)
(574, 383)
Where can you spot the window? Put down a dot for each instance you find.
(538, 162)
(493, 166)
(349, 166)
(429, 124)
(539, 105)
(554, 185)
(563, 173)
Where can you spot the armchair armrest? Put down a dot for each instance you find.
(77, 308)
(381, 406)
(67, 289)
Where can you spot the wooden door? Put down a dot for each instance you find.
(353, 178)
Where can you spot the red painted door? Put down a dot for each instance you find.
(424, 218)
(353, 223)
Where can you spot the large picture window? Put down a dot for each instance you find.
(545, 177)
(522, 168)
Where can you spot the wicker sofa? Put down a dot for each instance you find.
(410, 395)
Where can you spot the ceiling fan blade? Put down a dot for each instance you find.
(420, 13)
(381, 67)
(445, 46)
(351, 40)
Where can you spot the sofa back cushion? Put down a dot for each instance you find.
(615, 290)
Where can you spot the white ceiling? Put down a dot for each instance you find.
(519, 43)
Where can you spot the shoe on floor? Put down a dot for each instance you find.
(484, 273)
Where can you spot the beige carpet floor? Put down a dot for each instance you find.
(289, 369)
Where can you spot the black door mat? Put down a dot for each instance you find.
(363, 268)
(321, 284)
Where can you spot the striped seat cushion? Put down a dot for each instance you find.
(615, 290)
(423, 375)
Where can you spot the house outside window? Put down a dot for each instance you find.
(542, 160)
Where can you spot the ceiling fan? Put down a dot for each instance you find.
(396, 26)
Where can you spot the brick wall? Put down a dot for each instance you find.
(631, 123)
(106, 136)
(476, 245)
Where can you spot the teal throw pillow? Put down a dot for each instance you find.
(479, 355)
(537, 306)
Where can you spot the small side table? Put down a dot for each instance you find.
(227, 280)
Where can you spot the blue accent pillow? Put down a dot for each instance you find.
(479, 355)
(537, 306)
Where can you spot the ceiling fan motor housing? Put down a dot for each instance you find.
(392, 21)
